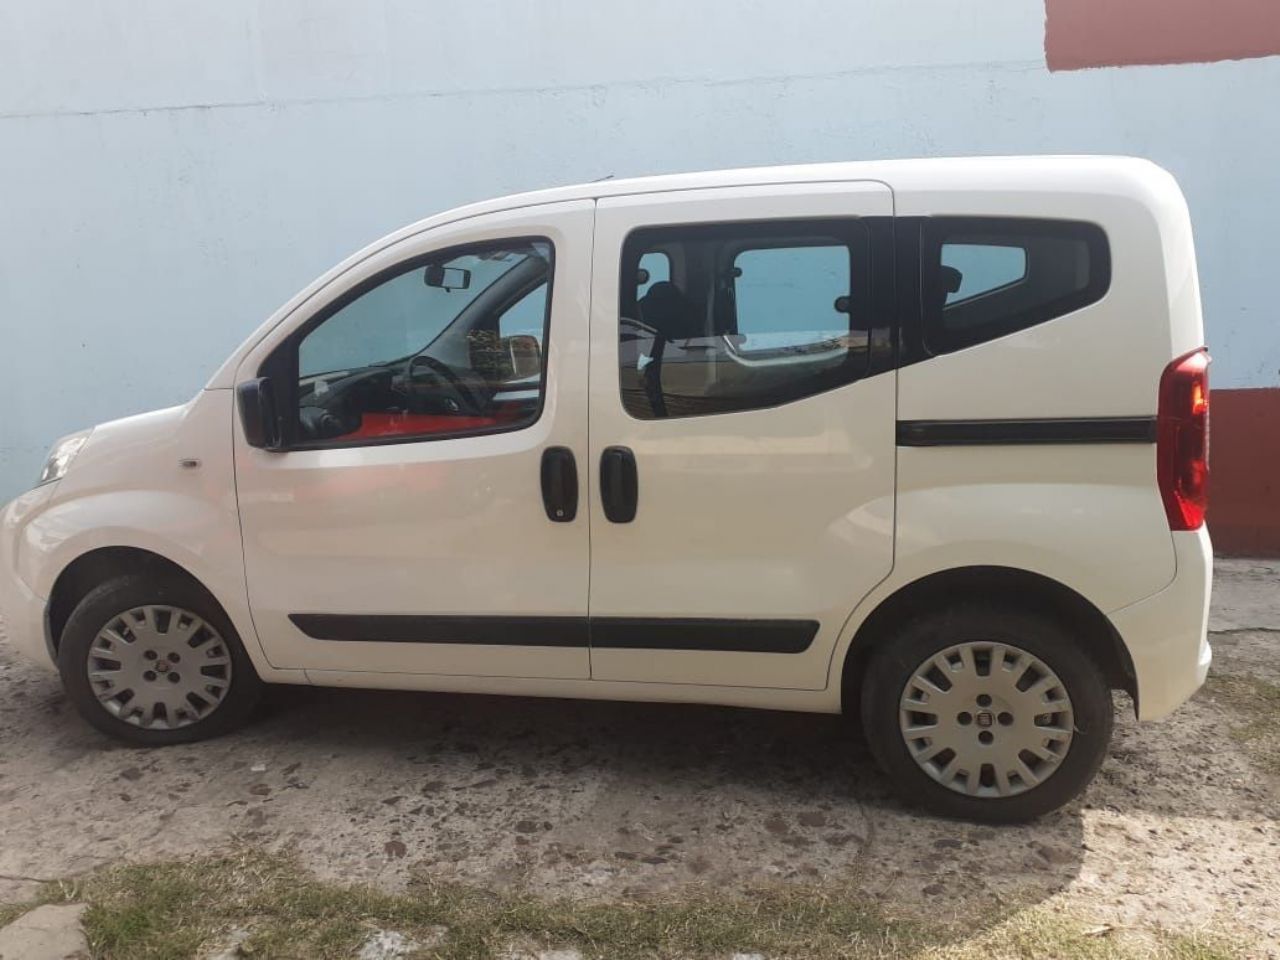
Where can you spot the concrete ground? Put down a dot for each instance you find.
(1181, 829)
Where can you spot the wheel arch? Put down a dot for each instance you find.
(1012, 587)
(95, 566)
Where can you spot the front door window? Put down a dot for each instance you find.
(446, 346)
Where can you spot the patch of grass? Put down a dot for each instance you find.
(1201, 946)
(10, 912)
(1036, 933)
(173, 910)
(1258, 702)
(163, 911)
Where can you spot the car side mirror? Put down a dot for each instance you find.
(256, 402)
(526, 355)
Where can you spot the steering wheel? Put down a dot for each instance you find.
(457, 393)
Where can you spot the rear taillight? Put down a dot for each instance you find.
(1182, 440)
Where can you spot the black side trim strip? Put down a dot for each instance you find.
(490, 631)
(945, 433)
(739, 636)
(619, 633)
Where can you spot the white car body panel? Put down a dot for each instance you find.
(1022, 507)
(21, 561)
(1167, 633)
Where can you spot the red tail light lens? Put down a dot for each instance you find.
(1182, 440)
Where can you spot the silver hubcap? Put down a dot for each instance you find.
(159, 667)
(986, 719)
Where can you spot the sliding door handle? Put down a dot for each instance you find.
(559, 484)
(619, 486)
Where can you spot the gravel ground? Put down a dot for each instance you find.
(1180, 830)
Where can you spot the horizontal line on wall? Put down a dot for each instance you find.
(1014, 66)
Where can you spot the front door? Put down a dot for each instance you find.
(427, 399)
(742, 423)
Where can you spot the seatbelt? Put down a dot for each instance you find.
(652, 376)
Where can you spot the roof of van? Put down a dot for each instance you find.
(1082, 172)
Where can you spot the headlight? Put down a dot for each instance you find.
(60, 457)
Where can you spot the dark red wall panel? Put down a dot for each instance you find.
(1244, 472)
(1114, 33)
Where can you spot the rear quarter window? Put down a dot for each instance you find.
(987, 277)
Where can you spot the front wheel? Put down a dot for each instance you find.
(153, 659)
(987, 714)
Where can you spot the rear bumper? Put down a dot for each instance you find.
(21, 609)
(1166, 634)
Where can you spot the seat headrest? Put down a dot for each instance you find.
(665, 308)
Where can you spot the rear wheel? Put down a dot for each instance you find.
(153, 659)
(987, 714)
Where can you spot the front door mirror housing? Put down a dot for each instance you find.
(257, 405)
(525, 353)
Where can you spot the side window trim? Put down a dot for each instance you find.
(281, 365)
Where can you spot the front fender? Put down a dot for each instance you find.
(183, 530)
(161, 482)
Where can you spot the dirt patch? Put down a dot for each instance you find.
(595, 801)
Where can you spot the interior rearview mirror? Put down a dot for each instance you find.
(446, 278)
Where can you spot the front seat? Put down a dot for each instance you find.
(672, 316)
(666, 309)
(949, 281)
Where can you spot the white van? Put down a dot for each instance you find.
(918, 441)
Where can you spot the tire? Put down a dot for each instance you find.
(898, 735)
(217, 669)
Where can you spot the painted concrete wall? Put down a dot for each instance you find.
(171, 171)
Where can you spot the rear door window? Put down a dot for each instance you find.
(723, 317)
(788, 298)
(654, 267)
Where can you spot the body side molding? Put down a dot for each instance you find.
(629, 633)
(944, 433)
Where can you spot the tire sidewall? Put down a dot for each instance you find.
(125, 593)
(894, 664)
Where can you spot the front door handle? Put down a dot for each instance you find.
(559, 484)
(619, 486)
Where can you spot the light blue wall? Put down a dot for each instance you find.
(172, 171)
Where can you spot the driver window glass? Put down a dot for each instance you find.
(430, 350)
(389, 321)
